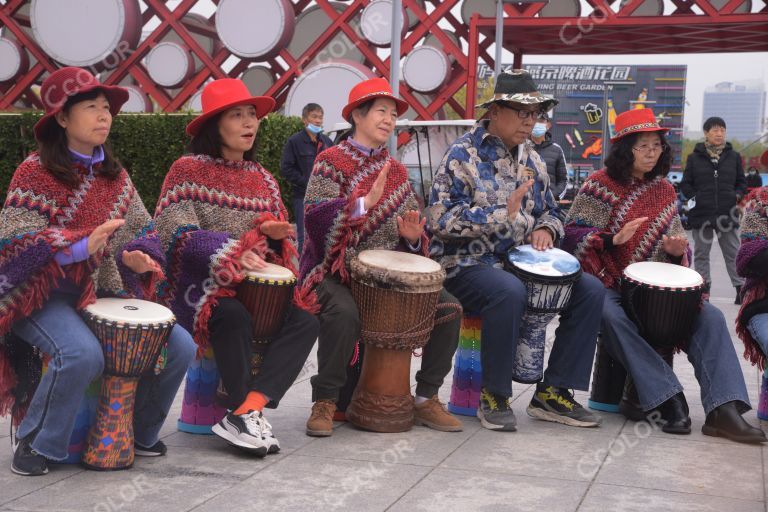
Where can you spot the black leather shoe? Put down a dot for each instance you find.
(726, 421)
(674, 415)
(629, 405)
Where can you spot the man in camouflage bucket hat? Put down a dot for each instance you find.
(492, 193)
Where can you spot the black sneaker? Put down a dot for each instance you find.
(494, 412)
(156, 450)
(27, 462)
(555, 404)
(243, 431)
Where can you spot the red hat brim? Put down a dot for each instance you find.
(262, 104)
(401, 105)
(116, 96)
(639, 130)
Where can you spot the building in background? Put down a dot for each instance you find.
(741, 105)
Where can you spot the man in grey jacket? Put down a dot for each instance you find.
(552, 154)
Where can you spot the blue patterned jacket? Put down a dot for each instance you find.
(468, 214)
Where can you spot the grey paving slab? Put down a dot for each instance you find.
(548, 451)
(317, 483)
(420, 446)
(731, 470)
(177, 482)
(449, 489)
(601, 498)
(13, 486)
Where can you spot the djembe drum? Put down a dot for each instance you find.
(397, 295)
(663, 300)
(549, 277)
(132, 333)
(266, 294)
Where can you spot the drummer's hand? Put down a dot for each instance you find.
(675, 245)
(97, 240)
(140, 262)
(377, 189)
(541, 239)
(277, 229)
(515, 199)
(411, 226)
(252, 261)
(628, 231)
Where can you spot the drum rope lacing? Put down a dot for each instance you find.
(412, 339)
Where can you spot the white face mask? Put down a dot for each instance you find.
(539, 129)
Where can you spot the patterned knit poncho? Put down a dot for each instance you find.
(208, 215)
(341, 175)
(603, 206)
(754, 244)
(42, 216)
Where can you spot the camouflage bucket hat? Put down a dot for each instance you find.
(517, 86)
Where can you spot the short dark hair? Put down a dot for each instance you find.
(712, 122)
(310, 107)
(53, 148)
(363, 109)
(208, 141)
(621, 159)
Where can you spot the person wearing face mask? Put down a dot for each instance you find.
(552, 154)
(298, 158)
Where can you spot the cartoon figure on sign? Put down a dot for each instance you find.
(593, 112)
(641, 99)
(594, 149)
(611, 117)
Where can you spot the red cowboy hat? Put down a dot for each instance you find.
(66, 82)
(224, 94)
(371, 89)
(635, 121)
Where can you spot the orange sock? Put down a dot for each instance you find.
(254, 401)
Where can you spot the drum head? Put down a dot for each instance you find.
(398, 261)
(130, 311)
(550, 263)
(271, 273)
(664, 275)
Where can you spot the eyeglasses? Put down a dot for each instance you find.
(646, 148)
(539, 115)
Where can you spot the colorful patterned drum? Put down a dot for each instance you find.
(762, 408)
(132, 333)
(467, 369)
(200, 410)
(548, 277)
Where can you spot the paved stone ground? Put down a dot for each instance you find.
(543, 466)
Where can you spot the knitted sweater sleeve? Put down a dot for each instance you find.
(202, 265)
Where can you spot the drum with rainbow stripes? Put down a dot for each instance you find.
(199, 408)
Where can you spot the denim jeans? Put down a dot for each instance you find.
(298, 213)
(500, 299)
(710, 351)
(758, 327)
(77, 359)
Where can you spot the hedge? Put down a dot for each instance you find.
(147, 145)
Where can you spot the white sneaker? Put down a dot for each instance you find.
(268, 436)
(243, 431)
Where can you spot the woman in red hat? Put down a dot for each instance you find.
(627, 213)
(220, 214)
(74, 227)
(358, 197)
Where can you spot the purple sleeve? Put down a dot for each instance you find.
(75, 253)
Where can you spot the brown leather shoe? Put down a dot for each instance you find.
(433, 414)
(320, 422)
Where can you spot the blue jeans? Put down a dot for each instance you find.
(500, 298)
(710, 351)
(758, 327)
(298, 212)
(77, 359)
